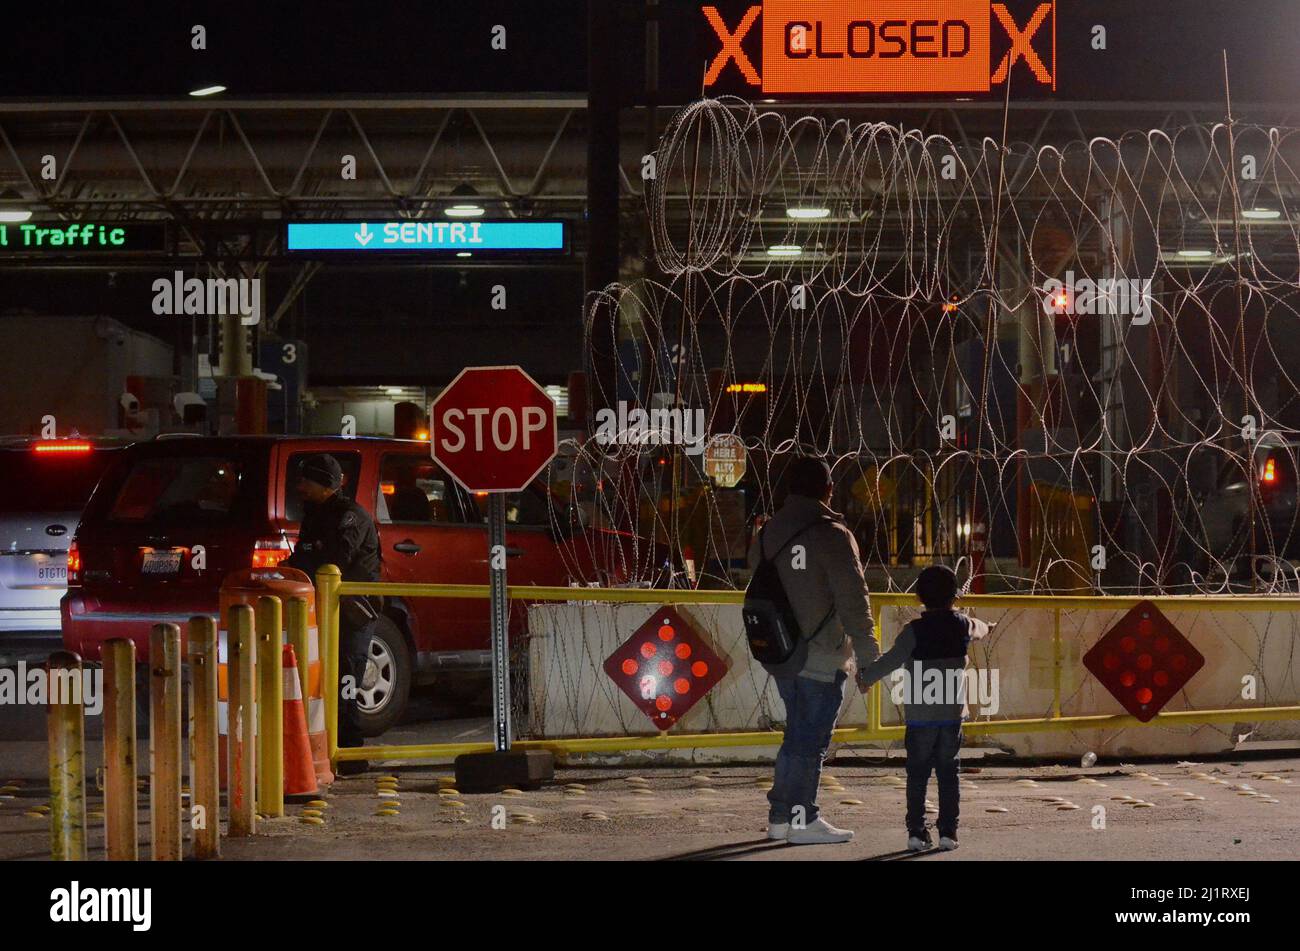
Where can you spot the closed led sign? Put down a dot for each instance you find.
(886, 46)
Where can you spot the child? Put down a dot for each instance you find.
(933, 648)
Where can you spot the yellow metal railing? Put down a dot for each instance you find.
(330, 587)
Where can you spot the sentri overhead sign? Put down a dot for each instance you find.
(431, 236)
(842, 47)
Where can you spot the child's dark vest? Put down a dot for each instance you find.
(940, 634)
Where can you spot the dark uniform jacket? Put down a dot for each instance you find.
(338, 532)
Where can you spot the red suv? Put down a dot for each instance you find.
(132, 561)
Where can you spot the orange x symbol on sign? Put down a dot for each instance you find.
(731, 46)
(1020, 44)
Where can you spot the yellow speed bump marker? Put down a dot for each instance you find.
(850, 802)
(311, 820)
(309, 813)
(449, 791)
(318, 804)
(43, 807)
(387, 794)
(1142, 804)
(33, 814)
(452, 804)
(511, 791)
(387, 812)
(997, 809)
(1065, 806)
(596, 816)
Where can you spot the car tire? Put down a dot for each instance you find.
(386, 686)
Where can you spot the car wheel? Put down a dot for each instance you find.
(386, 684)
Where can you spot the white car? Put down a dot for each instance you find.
(44, 484)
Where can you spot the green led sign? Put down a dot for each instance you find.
(82, 237)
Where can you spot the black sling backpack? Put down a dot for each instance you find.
(770, 625)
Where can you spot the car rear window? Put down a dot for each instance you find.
(49, 482)
(179, 488)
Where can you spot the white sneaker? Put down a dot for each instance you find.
(918, 844)
(818, 832)
(947, 844)
(777, 831)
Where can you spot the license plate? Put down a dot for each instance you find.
(161, 563)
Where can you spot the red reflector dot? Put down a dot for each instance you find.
(1178, 662)
(1145, 627)
(1128, 645)
(665, 668)
(1110, 661)
(663, 702)
(700, 668)
(683, 651)
(1144, 695)
(1144, 662)
(666, 632)
(1128, 678)
(629, 667)
(682, 685)
(1160, 677)
(1162, 644)
(648, 650)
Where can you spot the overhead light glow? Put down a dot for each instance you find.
(1195, 253)
(785, 250)
(393, 390)
(807, 211)
(15, 215)
(1261, 214)
(464, 254)
(463, 210)
(207, 90)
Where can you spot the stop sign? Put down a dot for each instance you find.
(492, 429)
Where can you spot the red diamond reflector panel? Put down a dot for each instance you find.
(665, 668)
(1143, 661)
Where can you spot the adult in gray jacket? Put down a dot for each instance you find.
(817, 559)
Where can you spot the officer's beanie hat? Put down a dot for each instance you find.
(322, 469)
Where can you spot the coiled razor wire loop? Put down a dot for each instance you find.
(1127, 449)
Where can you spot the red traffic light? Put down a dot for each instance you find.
(665, 668)
(1143, 661)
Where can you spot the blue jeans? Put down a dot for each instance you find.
(811, 708)
(932, 748)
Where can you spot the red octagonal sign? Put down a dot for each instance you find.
(1143, 660)
(493, 429)
(665, 668)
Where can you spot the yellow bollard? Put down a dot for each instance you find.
(121, 799)
(165, 742)
(328, 579)
(295, 623)
(205, 784)
(241, 770)
(67, 736)
(270, 707)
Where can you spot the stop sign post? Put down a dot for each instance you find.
(493, 429)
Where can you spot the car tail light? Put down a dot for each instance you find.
(62, 445)
(1270, 472)
(74, 564)
(269, 552)
(665, 668)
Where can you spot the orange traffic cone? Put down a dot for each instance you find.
(299, 772)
